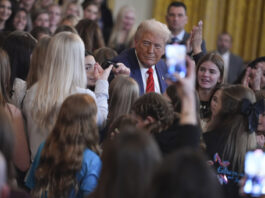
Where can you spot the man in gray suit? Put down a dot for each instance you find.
(233, 64)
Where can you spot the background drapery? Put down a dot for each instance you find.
(243, 19)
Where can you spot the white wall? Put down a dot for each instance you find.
(144, 8)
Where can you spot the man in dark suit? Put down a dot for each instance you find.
(233, 64)
(176, 20)
(144, 61)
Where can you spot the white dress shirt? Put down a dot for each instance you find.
(145, 76)
(225, 57)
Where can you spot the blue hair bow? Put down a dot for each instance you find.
(252, 111)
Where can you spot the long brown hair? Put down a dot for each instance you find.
(62, 155)
(235, 125)
(91, 34)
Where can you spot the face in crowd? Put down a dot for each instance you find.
(176, 19)
(208, 75)
(150, 48)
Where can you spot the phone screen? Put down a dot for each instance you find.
(255, 173)
(176, 61)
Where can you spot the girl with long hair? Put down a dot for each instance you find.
(5, 12)
(68, 163)
(65, 75)
(124, 29)
(232, 134)
(209, 73)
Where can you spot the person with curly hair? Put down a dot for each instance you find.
(68, 163)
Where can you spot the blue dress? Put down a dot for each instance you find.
(87, 177)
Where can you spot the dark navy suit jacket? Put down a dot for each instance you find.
(129, 59)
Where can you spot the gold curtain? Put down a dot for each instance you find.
(243, 19)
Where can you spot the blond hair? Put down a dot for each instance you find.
(65, 72)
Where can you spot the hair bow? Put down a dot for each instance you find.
(252, 111)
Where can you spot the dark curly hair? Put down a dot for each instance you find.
(156, 106)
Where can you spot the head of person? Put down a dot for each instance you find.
(224, 43)
(54, 14)
(73, 8)
(210, 70)
(91, 10)
(40, 32)
(153, 112)
(126, 18)
(40, 18)
(176, 17)
(65, 28)
(74, 131)
(4, 78)
(258, 63)
(129, 161)
(70, 20)
(43, 4)
(91, 34)
(104, 54)
(20, 20)
(235, 122)
(27, 4)
(65, 60)
(150, 39)
(185, 173)
(36, 68)
(5, 10)
(123, 91)
(7, 142)
(19, 46)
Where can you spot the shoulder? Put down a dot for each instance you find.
(79, 90)
(126, 56)
(90, 158)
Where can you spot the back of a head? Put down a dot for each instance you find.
(19, 46)
(123, 91)
(154, 105)
(128, 165)
(65, 60)
(183, 174)
(65, 28)
(91, 34)
(104, 53)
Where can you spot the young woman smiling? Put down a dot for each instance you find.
(209, 72)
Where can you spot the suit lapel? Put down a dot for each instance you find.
(135, 71)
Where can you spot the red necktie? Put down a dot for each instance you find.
(150, 85)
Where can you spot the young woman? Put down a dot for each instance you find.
(65, 75)
(5, 12)
(21, 151)
(123, 30)
(209, 72)
(231, 135)
(55, 16)
(20, 20)
(68, 163)
(73, 8)
(91, 10)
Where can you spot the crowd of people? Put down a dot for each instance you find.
(87, 108)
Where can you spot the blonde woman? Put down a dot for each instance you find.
(123, 30)
(65, 76)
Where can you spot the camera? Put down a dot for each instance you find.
(107, 63)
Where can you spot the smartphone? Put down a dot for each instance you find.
(255, 173)
(176, 61)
